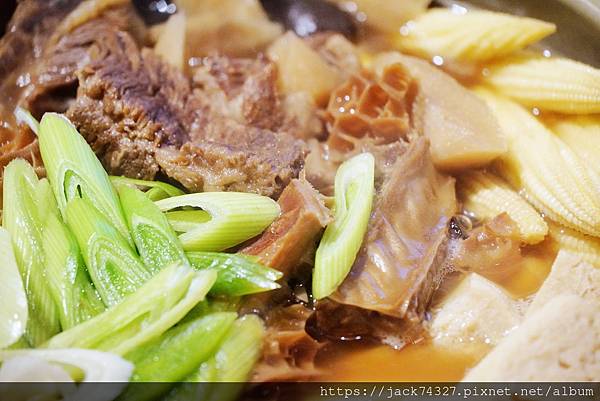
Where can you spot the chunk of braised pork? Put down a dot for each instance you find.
(294, 234)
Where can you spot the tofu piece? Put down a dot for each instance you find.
(569, 275)
(476, 312)
(560, 341)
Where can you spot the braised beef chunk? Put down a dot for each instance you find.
(128, 104)
(402, 258)
(294, 234)
(243, 89)
(234, 157)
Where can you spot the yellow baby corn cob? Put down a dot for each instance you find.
(582, 135)
(555, 84)
(487, 196)
(475, 36)
(586, 246)
(554, 179)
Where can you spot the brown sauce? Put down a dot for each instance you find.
(426, 361)
(420, 362)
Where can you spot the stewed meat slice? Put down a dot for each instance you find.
(294, 234)
(402, 260)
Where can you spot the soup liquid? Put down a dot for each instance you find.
(426, 361)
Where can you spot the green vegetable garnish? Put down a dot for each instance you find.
(13, 311)
(142, 316)
(155, 239)
(354, 190)
(154, 190)
(235, 217)
(175, 354)
(237, 275)
(187, 220)
(67, 276)
(232, 363)
(25, 117)
(27, 203)
(115, 268)
(75, 172)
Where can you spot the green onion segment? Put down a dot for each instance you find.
(75, 172)
(353, 191)
(155, 239)
(232, 363)
(27, 203)
(114, 267)
(187, 220)
(96, 366)
(174, 355)
(235, 217)
(154, 190)
(13, 311)
(67, 276)
(237, 275)
(24, 117)
(142, 316)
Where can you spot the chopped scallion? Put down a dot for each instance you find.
(142, 316)
(175, 354)
(13, 311)
(114, 267)
(235, 217)
(155, 239)
(353, 191)
(26, 206)
(187, 220)
(155, 190)
(75, 172)
(237, 275)
(67, 277)
(24, 117)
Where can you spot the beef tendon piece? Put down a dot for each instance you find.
(234, 157)
(402, 260)
(289, 353)
(492, 249)
(128, 105)
(303, 217)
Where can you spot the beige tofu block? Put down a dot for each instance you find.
(476, 312)
(569, 275)
(560, 341)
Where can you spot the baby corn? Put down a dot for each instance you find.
(554, 179)
(586, 246)
(487, 196)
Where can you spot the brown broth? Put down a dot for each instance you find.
(419, 362)
(426, 361)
